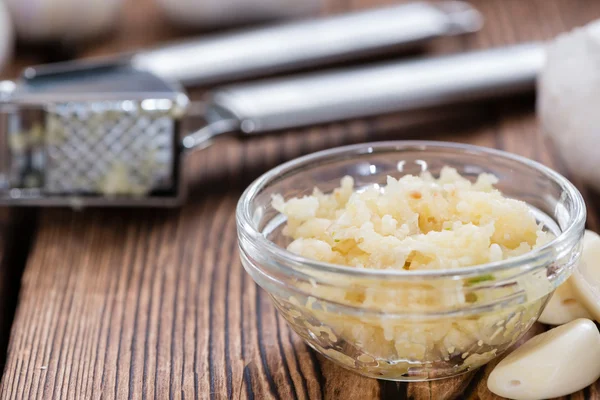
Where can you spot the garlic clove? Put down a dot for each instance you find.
(586, 278)
(563, 307)
(558, 362)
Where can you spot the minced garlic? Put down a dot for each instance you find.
(412, 223)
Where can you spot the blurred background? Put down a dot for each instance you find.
(47, 31)
(56, 30)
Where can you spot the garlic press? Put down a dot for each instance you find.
(109, 132)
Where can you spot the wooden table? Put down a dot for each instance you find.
(154, 304)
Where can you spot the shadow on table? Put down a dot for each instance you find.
(16, 235)
(231, 164)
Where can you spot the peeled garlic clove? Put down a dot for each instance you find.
(563, 307)
(586, 278)
(556, 363)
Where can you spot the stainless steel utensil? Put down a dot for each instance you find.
(108, 133)
(308, 43)
(111, 151)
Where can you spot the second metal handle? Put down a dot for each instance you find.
(300, 44)
(326, 97)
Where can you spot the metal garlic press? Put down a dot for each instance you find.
(109, 132)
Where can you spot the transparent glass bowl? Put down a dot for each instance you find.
(400, 325)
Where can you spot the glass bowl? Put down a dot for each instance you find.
(397, 324)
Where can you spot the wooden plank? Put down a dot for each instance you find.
(155, 304)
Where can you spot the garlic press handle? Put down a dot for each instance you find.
(400, 86)
(307, 43)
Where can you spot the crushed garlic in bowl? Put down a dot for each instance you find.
(429, 260)
(415, 222)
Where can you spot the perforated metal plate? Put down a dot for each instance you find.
(109, 147)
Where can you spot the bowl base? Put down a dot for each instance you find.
(410, 376)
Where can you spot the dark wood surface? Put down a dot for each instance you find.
(154, 304)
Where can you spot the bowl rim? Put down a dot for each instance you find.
(576, 222)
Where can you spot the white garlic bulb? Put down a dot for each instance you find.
(568, 96)
(210, 13)
(63, 20)
(6, 36)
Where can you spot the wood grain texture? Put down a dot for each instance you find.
(154, 304)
